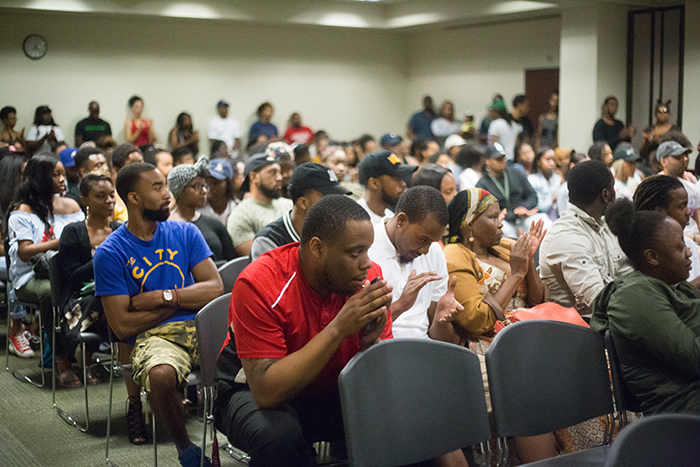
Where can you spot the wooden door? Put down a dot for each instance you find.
(538, 85)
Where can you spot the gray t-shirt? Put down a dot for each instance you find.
(249, 217)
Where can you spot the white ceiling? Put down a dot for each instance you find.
(382, 14)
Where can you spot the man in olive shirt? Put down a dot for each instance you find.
(263, 177)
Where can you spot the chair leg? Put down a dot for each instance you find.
(155, 441)
(25, 378)
(207, 414)
(114, 354)
(65, 416)
(7, 341)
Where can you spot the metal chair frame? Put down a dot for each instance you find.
(56, 288)
(30, 306)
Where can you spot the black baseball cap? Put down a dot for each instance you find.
(383, 162)
(495, 151)
(313, 176)
(256, 163)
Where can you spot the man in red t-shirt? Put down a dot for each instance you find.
(297, 133)
(299, 313)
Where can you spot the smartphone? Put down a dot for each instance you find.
(369, 327)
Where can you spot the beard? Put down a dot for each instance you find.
(156, 215)
(271, 193)
(389, 201)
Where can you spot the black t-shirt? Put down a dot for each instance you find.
(217, 237)
(610, 133)
(91, 129)
(528, 130)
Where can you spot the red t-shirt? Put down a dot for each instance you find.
(301, 135)
(275, 312)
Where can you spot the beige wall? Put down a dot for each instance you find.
(691, 80)
(469, 66)
(344, 81)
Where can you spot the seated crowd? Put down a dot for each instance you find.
(446, 238)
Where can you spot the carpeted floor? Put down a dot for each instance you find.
(33, 435)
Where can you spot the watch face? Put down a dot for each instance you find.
(34, 46)
(167, 295)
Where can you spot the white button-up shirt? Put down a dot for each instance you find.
(578, 257)
(414, 321)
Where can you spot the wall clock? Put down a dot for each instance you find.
(34, 46)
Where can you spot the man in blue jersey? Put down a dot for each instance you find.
(153, 275)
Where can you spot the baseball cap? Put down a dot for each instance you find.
(220, 169)
(454, 140)
(311, 175)
(498, 104)
(383, 162)
(256, 163)
(67, 156)
(390, 139)
(626, 152)
(221, 103)
(495, 151)
(670, 148)
(280, 150)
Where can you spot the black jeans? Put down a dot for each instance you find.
(283, 436)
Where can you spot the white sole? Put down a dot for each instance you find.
(13, 350)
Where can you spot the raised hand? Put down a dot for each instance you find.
(448, 307)
(413, 286)
(537, 234)
(519, 255)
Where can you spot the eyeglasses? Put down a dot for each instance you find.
(199, 186)
(662, 111)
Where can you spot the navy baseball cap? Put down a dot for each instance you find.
(221, 103)
(390, 139)
(220, 169)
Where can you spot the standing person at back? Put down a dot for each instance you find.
(610, 129)
(263, 130)
(419, 124)
(579, 254)
(503, 129)
(224, 128)
(138, 130)
(263, 178)
(94, 129)
(521, 107)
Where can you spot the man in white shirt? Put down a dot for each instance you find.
(406, 248)
(580, 255)
(225, 129)
(384, 178)
(673, 157)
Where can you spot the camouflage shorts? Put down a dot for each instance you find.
(173, 344)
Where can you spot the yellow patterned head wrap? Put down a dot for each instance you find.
(464, 208)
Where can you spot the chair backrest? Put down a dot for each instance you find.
(212, 326)
(545, 376)
(624, 399)
(56, 280)
(409, 400)
(656, 441)
(229, 272)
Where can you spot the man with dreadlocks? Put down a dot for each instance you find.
(668, 195)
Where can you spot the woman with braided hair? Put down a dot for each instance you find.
(667, 195)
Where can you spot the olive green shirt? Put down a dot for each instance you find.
(656, 331)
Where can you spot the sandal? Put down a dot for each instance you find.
(69, 380)
(137, 429)
(93, 376)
